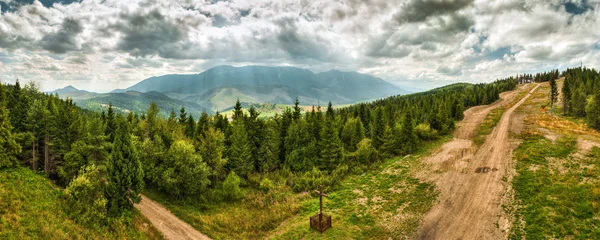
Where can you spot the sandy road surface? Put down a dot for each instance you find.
(470, 179)
(167, 223)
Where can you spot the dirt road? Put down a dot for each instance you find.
(470, 179)
(167, 223)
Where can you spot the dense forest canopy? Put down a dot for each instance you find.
(209, 158)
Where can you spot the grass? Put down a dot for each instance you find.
(488, 124)
(557, 187)
(387, 202)
(250, 218)
(557, 193)
(31, 207)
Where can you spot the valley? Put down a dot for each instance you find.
(218, 88)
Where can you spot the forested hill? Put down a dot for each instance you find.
(205, 158)
(260, 84)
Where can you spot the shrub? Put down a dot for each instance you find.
(266, 184)
(85, 197)
(231, 187)
(425, 132)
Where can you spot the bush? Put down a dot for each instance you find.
(425, 132)
(266, 184)
(85, 197)
(366, 154)
(231, 187)
(311, 180)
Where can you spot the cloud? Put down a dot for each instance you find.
(148, 34)
(63, 40)
(420, 10)
(115, 43)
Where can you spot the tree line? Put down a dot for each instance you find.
(581, 95)
(104, 160)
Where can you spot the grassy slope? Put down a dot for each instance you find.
(31, 207)
(557, 185)
(388, 201)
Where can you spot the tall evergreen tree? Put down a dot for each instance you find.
(378, 128)
(238, 112)
(182, 116)
(124, 174)
(332, 149)
(111, 125)
(553, 93)
(297, 113)
(9, 149)
(240, 157)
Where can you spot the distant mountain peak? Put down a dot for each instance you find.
(67, 89)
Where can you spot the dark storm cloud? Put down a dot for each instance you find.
(420, 10)
(298, 44)
(149, 34)
(63, 40)
(401, 42)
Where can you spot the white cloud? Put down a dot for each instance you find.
(102, 45)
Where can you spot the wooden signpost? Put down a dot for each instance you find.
(320, 221)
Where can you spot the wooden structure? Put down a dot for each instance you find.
(320, 221)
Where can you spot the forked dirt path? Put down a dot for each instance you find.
(470, 179)
(168, 224)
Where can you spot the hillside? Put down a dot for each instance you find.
(31, 206)
(128, 101)
(216, 87)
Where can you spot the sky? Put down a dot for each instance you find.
(103, 45)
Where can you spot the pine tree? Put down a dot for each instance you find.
(378, 128)
(408, 137)
(124, 174)
(9, 149)
(301, 150)
(172, 117)
(553, 94)
(190, 127)
(203, 124)
(268, 152)
(332, 149)
(238, 112)
(152, 120)
(566, 95)
(296, 115)
(182, 116)
(111, 125)
(240, 157)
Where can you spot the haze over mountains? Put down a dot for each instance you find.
(218, 88)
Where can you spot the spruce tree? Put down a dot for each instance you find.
(111, 125)
(332, 149)
(9, 149)
(268, 153)
(296, 115)
(182, 116)
(408, 137)
(124, 174)
(378, 128)
(238, 112)
(190, 127)
(240, 157)
(553, 93)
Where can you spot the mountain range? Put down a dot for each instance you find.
(218, 88)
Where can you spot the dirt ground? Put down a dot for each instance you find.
(470, 179)
(168, 224)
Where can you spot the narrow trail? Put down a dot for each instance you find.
(168, 224)
(470, 179)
